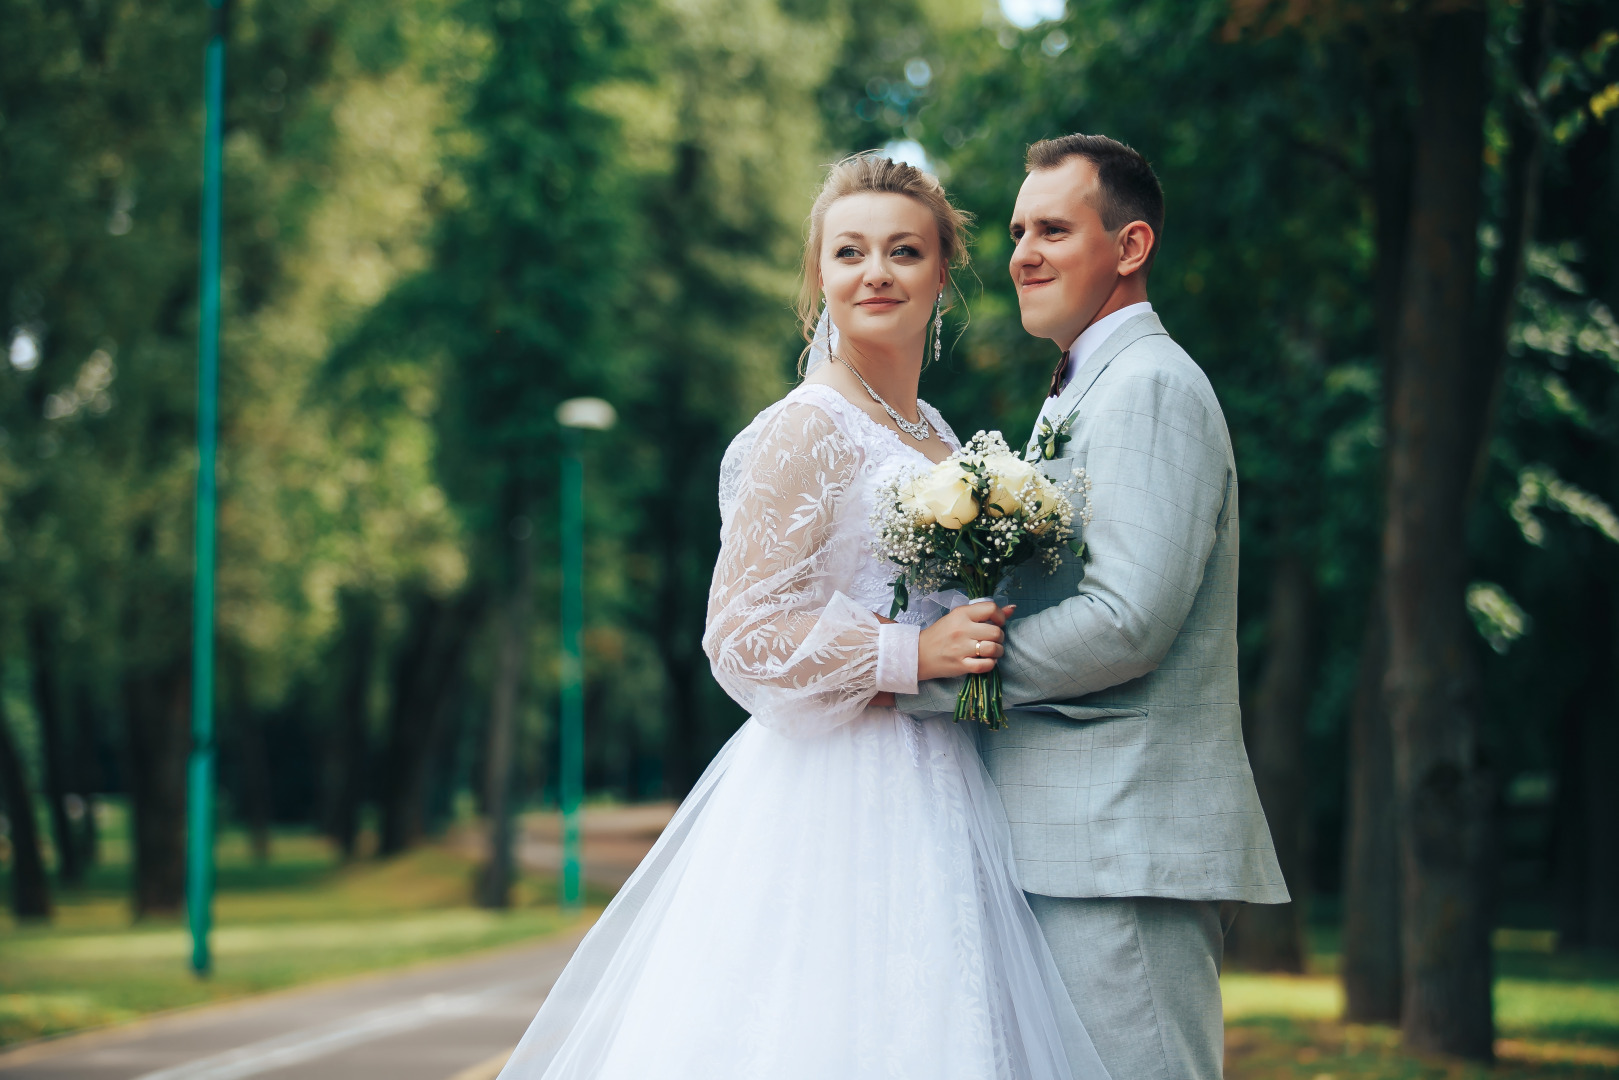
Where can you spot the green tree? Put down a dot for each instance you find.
(724, 142)
(99, 144)
(522, 276)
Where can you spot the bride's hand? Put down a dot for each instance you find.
(966, 641)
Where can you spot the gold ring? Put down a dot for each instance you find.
(978, 648)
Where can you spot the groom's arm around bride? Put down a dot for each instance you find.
(1123, 772)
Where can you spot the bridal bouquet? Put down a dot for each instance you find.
(968, 522)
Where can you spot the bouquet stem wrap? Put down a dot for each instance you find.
(980, 700)
(980, 697)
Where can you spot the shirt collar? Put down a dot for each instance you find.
(1085, 346)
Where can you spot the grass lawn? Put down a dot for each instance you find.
(302, 917)
(1557, 1016)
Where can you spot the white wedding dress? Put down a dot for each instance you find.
(836, 898)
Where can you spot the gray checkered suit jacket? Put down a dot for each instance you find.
(1123, 769)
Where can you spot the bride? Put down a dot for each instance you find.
(836, 898)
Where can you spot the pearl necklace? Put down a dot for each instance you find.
(918, 431)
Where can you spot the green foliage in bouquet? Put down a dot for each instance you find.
(968, 522)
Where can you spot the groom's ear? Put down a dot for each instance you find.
(1135, 248)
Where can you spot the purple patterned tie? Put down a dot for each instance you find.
(1057, 375)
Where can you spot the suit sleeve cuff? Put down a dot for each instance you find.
(933, 696)
(897, 657)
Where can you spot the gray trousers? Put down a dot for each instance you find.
(1144, 976)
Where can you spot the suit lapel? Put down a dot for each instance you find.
(1142, 326)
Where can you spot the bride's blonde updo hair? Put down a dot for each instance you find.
(873, 172)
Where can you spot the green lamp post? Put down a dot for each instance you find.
(200, 768)
(576, 415)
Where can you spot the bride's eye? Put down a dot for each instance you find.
(906, 251)
(847, 252)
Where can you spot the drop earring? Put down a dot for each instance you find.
(938, 326)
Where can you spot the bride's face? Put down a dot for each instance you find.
(881, 268)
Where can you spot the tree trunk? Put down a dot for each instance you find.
(681, 605)
(1568, 827)
(255, 776)
(88, 770)
(686, 539)
(682, 764)
(350, 758)
(1371, 901)
(89, 832)
(1271, 937)
(30, 888)
(252, 755)
(449, 752)
(1520, 194)
(1601, 805)
(1371, 932)
(495, 883)
(158, 703)
(424, 676)
(42, 657)
(1444, 793)
(1591, 704)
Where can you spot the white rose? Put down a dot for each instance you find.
(946, 495)
(911, 503)
(1007, 475)
(1045, 502)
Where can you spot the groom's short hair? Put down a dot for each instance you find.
(1130, 189)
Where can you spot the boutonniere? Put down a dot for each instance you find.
(1049, 439)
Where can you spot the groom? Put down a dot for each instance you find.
(1133, 810)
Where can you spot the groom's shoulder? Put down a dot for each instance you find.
(1156, 366)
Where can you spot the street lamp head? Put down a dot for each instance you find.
(586, 412)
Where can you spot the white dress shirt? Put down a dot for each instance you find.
(1083, 348)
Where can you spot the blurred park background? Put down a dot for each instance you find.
(1392, 242)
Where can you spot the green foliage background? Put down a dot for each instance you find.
(446, 216)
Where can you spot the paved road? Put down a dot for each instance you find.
(454, 1020)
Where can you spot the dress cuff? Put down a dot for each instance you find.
(897, 657)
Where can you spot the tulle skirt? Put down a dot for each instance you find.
(827, 908)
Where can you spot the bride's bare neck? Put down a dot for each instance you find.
(893, 372)
(894, 375)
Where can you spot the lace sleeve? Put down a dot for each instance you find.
(800, 656)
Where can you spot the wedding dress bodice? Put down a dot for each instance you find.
(792, 630)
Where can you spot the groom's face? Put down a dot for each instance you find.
(1065, 264)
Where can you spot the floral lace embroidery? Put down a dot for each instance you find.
(792, 634)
